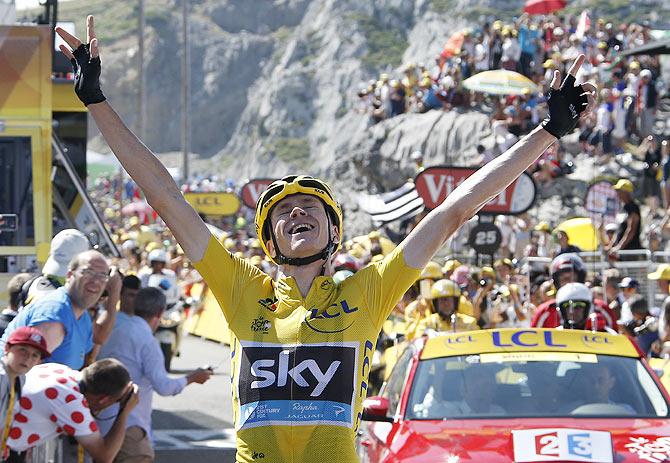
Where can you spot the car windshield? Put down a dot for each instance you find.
(537, 384)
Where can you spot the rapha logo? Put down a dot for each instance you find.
(269, 303)
(261, 325)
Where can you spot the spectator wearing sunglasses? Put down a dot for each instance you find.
(64, 247)
(62, 315)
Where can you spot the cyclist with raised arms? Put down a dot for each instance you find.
(302, 345)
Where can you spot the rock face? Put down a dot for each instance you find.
(273, 87)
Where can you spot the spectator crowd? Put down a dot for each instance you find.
(535, 46)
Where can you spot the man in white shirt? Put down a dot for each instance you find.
(132, 343)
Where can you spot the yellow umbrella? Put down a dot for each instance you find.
(501, 82)
(581, 233)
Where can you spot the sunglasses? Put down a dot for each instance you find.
(575, 305)
(95, 275)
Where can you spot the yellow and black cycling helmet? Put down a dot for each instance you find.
(291, 185)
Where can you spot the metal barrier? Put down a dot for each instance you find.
(49, 452)
(637, 264)
(634, 264)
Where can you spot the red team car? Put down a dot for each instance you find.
(519, 395)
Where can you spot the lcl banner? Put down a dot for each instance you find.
(252, 190)
(214, 203)
(436, 183)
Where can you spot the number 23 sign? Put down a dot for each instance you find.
(532, 445)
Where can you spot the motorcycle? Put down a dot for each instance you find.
(169, 330)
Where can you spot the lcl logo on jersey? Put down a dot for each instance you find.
(297, 383)
(317, 319)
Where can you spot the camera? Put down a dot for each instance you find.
(637, 328)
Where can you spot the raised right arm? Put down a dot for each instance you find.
(148, 172)
(145, 169)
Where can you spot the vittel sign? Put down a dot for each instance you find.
(436, 183)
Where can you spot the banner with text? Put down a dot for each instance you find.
(214, 203)
(436, 183)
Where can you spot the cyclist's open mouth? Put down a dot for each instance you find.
(300, 228)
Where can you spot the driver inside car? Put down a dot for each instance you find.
(595, 384)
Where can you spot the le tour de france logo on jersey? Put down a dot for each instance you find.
(282, 384)
(332, 319)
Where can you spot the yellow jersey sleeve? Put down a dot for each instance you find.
(384, 283)
(229, 278)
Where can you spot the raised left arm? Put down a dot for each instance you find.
(567, 103)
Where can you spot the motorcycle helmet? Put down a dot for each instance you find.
(574, 303)
(445, 289)
(568, 262)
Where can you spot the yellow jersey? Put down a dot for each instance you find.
(300, 365)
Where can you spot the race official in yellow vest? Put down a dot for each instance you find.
(446, 296)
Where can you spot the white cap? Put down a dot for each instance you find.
(157, 255)
(645, 73)
(416, 156)
(573, 292)
(64, 246)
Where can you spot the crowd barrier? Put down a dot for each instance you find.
(49, 452)
(634, 264)
(207, 321)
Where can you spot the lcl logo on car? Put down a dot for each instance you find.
(284, 384)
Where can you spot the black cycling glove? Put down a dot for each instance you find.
(87, 76)
(565, 106)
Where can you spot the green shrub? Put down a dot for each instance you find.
(442, 6)
(386, 45)
(291, 150)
